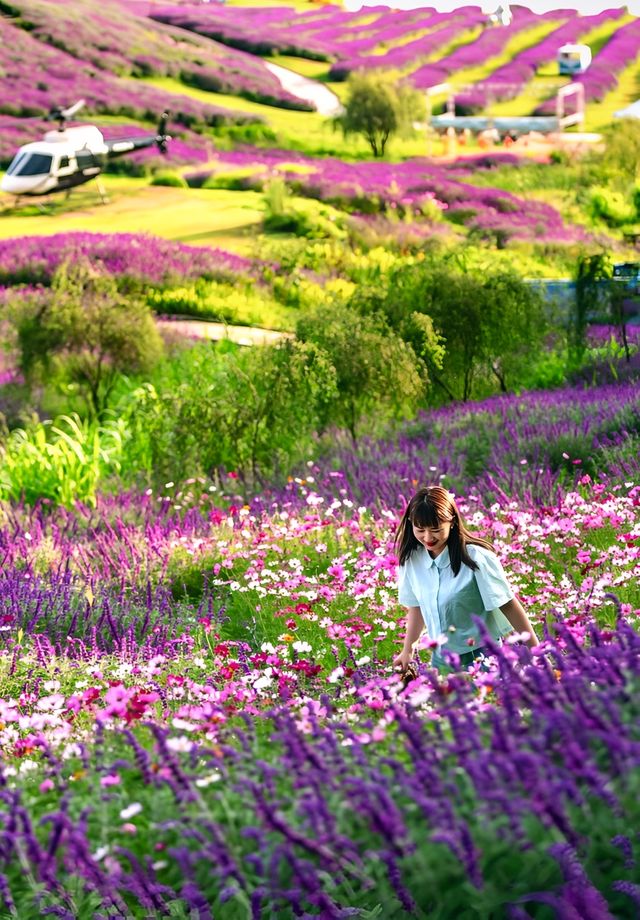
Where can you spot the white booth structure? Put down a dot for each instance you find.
(573, 58)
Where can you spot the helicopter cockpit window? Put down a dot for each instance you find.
(64, 163)
(34, 164)
(15, 163)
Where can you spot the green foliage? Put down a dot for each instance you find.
(377, 372)
(489, 325)
(249, 410)
(378, 106)
(614, 208)
(87, 331)
(252, 132)
(301, 218)
(63, 461)
(238, 180)
(166, 177)
(591, 271)
(621, 156)
(240, 302)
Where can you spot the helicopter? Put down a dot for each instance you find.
(70, 156)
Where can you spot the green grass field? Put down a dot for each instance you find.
(214, 217)
(309, 132)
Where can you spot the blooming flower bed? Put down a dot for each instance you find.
(198, 712)
(488, 44)
(416, 188)
(619, 52)
(115, 40)
(66, 78)
(34, 259)
(323, 34)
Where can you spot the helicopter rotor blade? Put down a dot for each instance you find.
(72, 109)
(61, 115)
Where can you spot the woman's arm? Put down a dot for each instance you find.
(415, 626)
(514, 612)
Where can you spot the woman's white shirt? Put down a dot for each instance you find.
(448, 602)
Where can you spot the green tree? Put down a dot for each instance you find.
(277, 394)
(377, 373)
(591, 271)
(378, 105)
(486, 326)
(84, 331)
(248, 410)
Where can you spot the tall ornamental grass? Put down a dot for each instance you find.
(63, 461)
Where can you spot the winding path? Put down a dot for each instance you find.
(241, 335)
(320, 96)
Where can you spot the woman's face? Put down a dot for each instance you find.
(434, 539)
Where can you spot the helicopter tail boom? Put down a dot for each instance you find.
(120, 145)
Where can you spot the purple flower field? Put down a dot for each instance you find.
(198, 711)
(115, 40)
(33, 260)
(508, 81)
(68, 78)
(197, 704)
(408, 188)
(619, 52)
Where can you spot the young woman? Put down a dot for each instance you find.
(447, 575)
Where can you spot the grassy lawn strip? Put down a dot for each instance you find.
(308, 132)
(214, 217)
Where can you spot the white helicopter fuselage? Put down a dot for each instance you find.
(60, 160)
(63, 159)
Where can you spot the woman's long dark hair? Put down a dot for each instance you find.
(432, 507)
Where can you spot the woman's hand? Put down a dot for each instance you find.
(401, 662)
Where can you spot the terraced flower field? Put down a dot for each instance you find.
(214, 50)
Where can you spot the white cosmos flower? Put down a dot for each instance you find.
(207, 780)
(130, 811)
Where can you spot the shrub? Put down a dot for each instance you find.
(169, 178)
(614, 208)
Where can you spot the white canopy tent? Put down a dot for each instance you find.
(631, 111)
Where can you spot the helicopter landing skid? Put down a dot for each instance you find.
(104, 198)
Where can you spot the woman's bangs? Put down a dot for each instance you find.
(425, 515)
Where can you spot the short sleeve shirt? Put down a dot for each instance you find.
(448, 602)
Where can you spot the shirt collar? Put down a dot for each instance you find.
(441, 561)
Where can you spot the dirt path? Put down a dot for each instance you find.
(241, 335)
(325, 102)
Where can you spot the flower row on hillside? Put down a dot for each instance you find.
(489, 43)
(326, 34)
(622, 49)
(34, 259)
(115, 40)
(529, 445)
(415, 188)
(509, 80)
(407, 55)
(64, 78)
